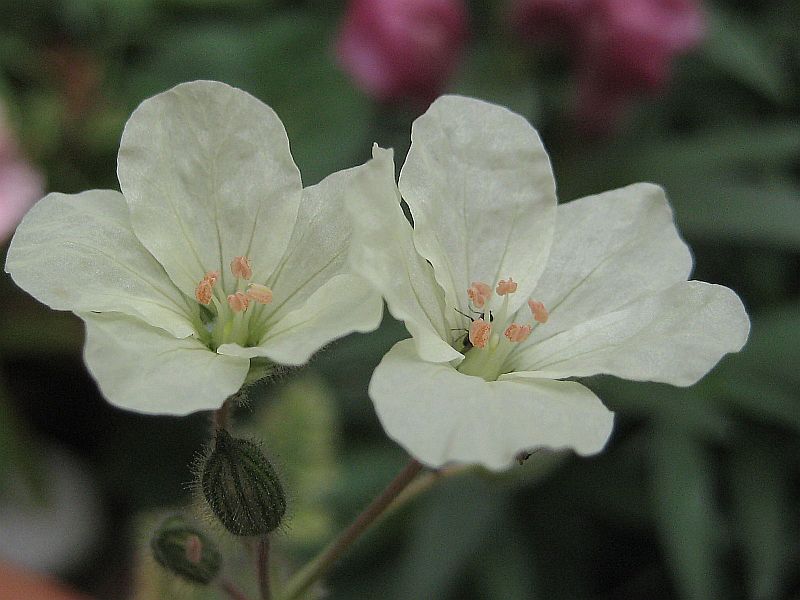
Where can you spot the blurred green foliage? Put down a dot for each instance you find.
(697, 496)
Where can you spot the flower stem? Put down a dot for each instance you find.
(317, 567)
(263, 568)
(221, 418)
(231, 590)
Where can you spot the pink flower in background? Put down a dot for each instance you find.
(20, 184)
(402, 49)
(621, 48)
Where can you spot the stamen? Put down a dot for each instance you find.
(259, 293)
(238, 302)
(240, 267)
(479, 333)
(204, 290)
(212, 276)
(506, 287)
(540, 313)
(479, 293)
(517, 333)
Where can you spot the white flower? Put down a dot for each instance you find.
(507, 294)
(212, 255)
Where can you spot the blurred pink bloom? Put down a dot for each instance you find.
(20, 184)
(631, 43)
(622, 48)
(402, 49)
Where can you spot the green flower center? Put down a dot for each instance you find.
(232, 316)
(489, 341)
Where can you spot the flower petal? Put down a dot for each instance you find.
(78, 252)
(208, 176)
(440, 415)
(318, 248)
(138, 367)
(609, 249)
(675, 336)
(382, 251)
(344, 304)
(482, 195)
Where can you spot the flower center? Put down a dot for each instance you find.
(486, 349)
(228, 314)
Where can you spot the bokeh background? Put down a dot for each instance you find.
(697, 495)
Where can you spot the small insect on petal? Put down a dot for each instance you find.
(238, 302)
(479, 333)
(241, 268)
(517, 333)
(259, 293)
(540, 313)
(506, 287)
(479, 293)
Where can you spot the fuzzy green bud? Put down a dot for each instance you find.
(241, 486)
(186, 551)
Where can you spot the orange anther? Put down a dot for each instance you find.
(259, 293)
(479, 333)
(517, 333)
(540, 313)
(506, 287)
(204, 292)
(479, 293)
(240, 267)
(238, 302)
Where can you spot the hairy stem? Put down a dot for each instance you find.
(304, 578)
(263, 568)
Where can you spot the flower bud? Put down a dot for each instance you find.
(241, 486)
(186, 551)
(402, 49)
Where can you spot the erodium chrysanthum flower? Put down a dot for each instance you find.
(212, 264)
(507, 295)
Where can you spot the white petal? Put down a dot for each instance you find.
(482, 195)
(344, 304)
(318, 248)
(382, 251)
(675, 336)
(140, 368)
(609, 250)
(208, 176)
(440, 415)
(78, 252)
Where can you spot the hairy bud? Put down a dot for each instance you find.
(241, 486)
(186, 551)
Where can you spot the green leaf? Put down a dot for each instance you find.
(737, 48)
(761, 501)
(686, 514)
(767, 215)
(456, 520)
(772, 348)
